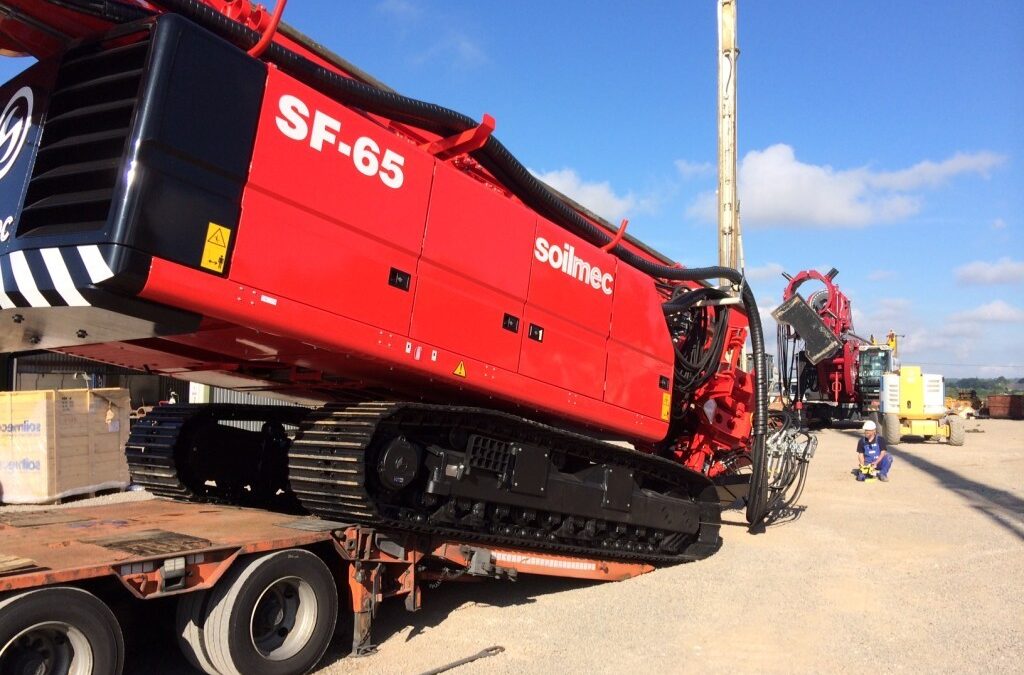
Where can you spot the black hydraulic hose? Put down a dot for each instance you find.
(109, 10)
(687, 300)
(715, 351)
(429, 116)
(693, 367)
(497, 159)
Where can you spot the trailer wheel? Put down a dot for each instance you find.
(273, 615)
(58, 630)
(956, 430)
(189, 623)
(891, 428)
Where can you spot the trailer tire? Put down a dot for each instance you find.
(891, 428)
(273, 614)
(189, 623)
(956, 430)
(59, 629)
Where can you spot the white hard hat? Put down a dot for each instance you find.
(869, 426)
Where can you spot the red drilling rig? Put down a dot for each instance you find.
(490, 376)
(834, 376)
(196, 191)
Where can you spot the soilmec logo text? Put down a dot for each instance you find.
(563, 258)
(15, 121)
(26, 427)
(16, 465)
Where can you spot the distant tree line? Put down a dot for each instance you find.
(985, 385)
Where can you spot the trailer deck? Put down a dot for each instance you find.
(133, 539)
(158, 548)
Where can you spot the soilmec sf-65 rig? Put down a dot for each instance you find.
(182, 200)
(187, 188)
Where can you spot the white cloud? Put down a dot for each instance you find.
(769, 272)
(944, 344)
(996, 311)
(881, 275)
(768, 322)
(777, 189)
(958, 344)
(934, 174)
(704, 207)
(598, 197)
(468, 52)
(400, 8)
(1003, 271)
(881, 315)
(455, 49)
(998, 224)
(436, 36)
(886, 311)
(690, 169)
(962, 330)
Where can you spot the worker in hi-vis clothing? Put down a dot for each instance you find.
(871, 450)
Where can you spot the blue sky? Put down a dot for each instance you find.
(882, 138)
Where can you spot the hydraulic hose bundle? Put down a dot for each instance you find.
(696, 359)
(496, 159)
(790, 448)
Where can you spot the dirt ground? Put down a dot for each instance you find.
(920, 574)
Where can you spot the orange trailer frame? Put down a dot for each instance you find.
(159, 548)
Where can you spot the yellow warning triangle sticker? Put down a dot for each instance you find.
(460, 369)
(217, 237)
(216, 248)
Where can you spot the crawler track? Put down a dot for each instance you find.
(175, 450)
(151, 451)
(588, 497)
(334, 460)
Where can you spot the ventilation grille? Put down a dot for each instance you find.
(489, 454)
(83, 140)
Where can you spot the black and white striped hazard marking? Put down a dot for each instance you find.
(50, 277)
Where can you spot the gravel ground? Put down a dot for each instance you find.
(920, 574)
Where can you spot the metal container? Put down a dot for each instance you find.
(1006, 406)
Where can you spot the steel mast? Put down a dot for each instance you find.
(730, 242)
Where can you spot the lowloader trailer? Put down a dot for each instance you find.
(258, 591)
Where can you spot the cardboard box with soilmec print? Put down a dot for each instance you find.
(59, 443)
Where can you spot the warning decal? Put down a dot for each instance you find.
(460, 369)
(666, 406)
(215, 250)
